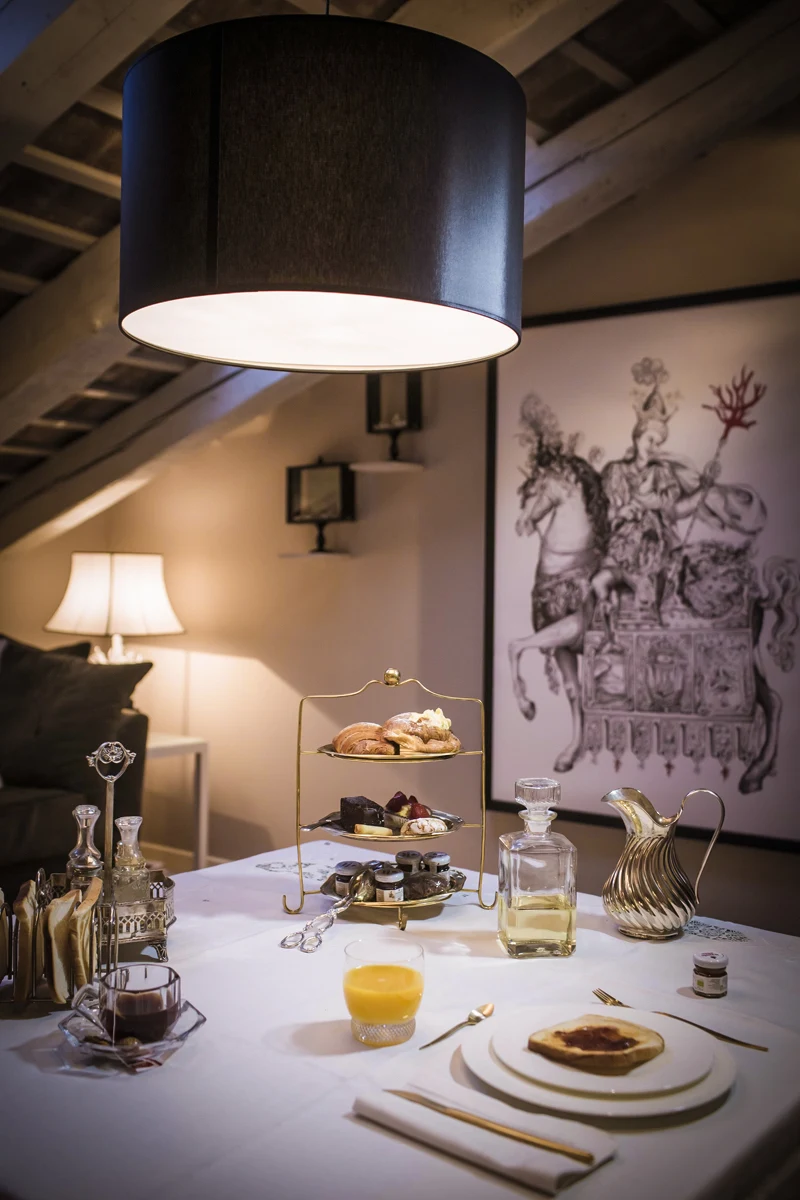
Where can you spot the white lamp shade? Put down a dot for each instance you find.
(116, 593)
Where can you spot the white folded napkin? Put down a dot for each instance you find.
(541, 1169)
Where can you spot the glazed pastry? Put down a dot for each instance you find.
(427, 732)
(55, 922)
(365, 737)
(25, 912)
(359, 810)
(457, 880)
(80, 934)
(423, 826)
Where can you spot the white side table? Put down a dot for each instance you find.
(167, 745)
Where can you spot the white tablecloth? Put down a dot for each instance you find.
(257, 1104)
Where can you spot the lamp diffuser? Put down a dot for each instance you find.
(115, 594)
(323, 194)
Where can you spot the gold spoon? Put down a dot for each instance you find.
(475, 1017)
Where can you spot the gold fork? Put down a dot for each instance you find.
(723, 1037)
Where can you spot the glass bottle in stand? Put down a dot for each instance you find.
(536, 905)
(130, 877)
(84, 862)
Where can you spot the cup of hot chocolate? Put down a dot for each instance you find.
(140, 1000)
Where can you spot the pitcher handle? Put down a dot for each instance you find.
(714, 836)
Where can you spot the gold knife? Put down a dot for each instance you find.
(519, 1135)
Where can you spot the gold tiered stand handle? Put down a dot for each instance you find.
(391, 679)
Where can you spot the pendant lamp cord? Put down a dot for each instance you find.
(327, 8)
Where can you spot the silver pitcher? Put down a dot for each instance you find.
(648, 894)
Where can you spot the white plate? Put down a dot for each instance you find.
(687, 1056)
(482, 1062)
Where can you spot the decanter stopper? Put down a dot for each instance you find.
(84, 861)
(538, 798)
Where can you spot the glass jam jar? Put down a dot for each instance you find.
(710, 976)
(409, 861)
(437, 863)
(343, 873)
(389, 885)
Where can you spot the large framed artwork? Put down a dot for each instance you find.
(644, 557)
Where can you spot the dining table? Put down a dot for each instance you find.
(257, 1104)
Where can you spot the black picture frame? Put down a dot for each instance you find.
(661, 304)
(409, 385)
(331, 504)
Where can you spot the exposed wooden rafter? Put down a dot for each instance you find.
(105, 101)
(69, 170)
(613, 153)
(696, 15)
(23, 285)
(582, 56)
(45, 231)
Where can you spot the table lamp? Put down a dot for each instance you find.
(116, 595)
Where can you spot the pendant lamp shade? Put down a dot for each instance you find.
(322, 194)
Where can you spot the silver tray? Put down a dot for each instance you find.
(331, 825)
(329, 889)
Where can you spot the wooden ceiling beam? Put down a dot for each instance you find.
(103, 467)
(23, 285)
(70, 170)
(582, 56)
(105, 101)
(53, 51)
(44, 231)
(698, 16)
(613, 153)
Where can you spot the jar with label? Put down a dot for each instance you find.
(389, 885)
(710, 976)
(409, 861)
(343, 873)
(437, 863)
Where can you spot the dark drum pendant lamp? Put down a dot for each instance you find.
(322, 194)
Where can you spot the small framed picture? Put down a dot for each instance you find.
(394, 403)
(319, 493)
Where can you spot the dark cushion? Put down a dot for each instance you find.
(54, 710)
(37, 824)
(74, 649)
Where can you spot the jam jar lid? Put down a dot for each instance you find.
(390, 875)
(349, 867)
(436, 856)
(712, 960)
(408, 856)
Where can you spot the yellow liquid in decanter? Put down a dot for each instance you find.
(532, 926)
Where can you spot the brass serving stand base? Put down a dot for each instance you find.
(392, 679)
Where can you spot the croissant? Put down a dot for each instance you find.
(422, 733)
(364, 737)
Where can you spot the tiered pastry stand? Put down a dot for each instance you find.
(391, 679)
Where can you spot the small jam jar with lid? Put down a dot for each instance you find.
(710, 976)
(409, 861)
(389, 884)
(437, 863)
(343, 873)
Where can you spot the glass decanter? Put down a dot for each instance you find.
(84, 862)
(536, 905)
(130, 877)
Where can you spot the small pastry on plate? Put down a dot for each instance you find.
(421, 826)
(359, 810)
(376, 831)
(427, 732)
(420, 886)
(402, 808)
(364, 737)
(598, 1043)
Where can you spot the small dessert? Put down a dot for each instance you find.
(423, 826)
(427, 732)
(597, 1043)
(359, 810)
(373, 830)
(421, 885)
(364, 737)
(403, 808)
(457, 880)
(409, 861)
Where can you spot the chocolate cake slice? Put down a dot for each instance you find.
(359, 810)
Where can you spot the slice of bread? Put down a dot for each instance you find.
(56, 945)
(598, 1043)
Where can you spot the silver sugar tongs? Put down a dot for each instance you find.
(309, 938)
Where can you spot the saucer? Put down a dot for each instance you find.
(81, 1033)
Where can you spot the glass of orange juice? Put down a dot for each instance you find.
(383, 982)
